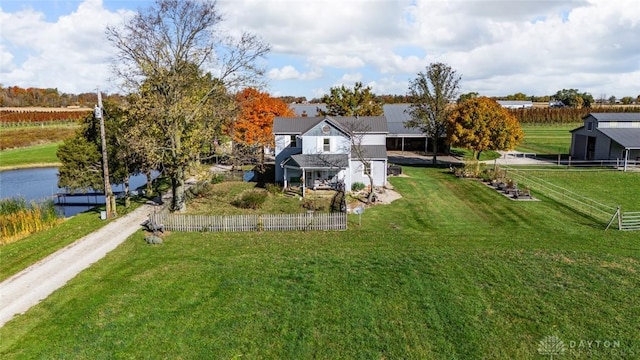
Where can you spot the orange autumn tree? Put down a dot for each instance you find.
(481, 124)
(255, 121)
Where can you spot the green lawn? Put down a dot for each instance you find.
(30, 156)
(609, 187)
(550, 139)
(19, 255)
(452, 270)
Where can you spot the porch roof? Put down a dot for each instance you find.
(627, 138)
(319, 161)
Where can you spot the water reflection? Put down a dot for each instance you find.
(42, 183)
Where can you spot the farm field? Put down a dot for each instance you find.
(33, 156)
(26, 136)
(451, 270)
(550, 139)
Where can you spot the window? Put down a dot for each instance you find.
(589, 126)
(366, 169)
(326, 145)
(293, 142)
(326, 129)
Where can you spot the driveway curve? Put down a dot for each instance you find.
(33, 284)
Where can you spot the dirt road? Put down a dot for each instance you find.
(28, 287)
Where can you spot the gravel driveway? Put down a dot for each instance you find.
(28, 287)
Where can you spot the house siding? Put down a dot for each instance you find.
(311, 142)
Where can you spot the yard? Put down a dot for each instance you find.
(548, 139)
(451, 270)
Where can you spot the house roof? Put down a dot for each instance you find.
(371, 152)
(395, 114)
(611, 116)
(319, 161)
(396, 117)
(300, 125)
(309, 109)
(628, 138)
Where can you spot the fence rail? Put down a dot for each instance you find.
(574, 200)
(237, 223)
(629, 221)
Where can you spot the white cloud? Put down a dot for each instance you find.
(288, 72)
(499, 47)
(71, 54)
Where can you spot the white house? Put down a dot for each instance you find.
(327, 152)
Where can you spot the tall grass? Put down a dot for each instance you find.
(19, 218)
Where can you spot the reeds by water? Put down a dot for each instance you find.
(19, 218)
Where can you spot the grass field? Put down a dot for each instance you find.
(452, 270)
(39, 155)
(605, 186)
(547, 139)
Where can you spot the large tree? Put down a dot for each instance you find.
(166, 54)
(344, 101)
(432, 91)
(81, 159)
(254, 124)
(482, 124)
(574, 98)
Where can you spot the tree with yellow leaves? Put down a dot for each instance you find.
(482, 124)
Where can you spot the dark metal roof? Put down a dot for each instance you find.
(319, 161)
(294, 125)
(371, 151)
(310, 109)
(300, 125)
(396, 116)
(362, 124)
(615, 116)
(628, 138)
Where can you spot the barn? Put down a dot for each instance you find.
(607, 136)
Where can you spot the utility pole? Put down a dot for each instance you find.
(110, 201)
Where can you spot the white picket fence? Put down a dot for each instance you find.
(236, 223)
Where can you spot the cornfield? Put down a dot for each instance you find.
(11, 118)
(563, 115)
(19, 219)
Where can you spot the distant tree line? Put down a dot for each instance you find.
(15, 96)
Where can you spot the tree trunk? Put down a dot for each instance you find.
(127, 193)
(370, 196)
(112, 201)
(434, 161)
(178, 201)
(149, 183)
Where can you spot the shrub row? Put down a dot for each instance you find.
(563, 115)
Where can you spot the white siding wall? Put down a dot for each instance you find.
(378, 170)
(315, 144)
(374, 139)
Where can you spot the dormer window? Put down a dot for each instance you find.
(589, 126)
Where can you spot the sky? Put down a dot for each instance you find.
(497, 47)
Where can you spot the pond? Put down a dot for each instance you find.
(39, 184)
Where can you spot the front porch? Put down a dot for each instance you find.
(316, 172)
(315, 180)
